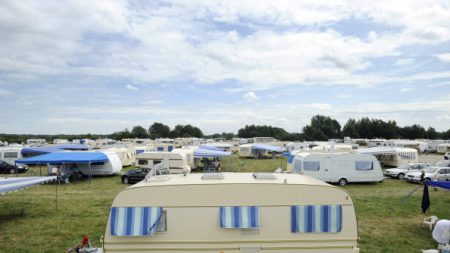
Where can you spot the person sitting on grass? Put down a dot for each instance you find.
(85, 243)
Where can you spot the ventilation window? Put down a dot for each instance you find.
(212, 176)
(264, 176)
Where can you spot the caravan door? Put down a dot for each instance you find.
(326, 170)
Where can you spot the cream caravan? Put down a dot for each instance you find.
(233, 213)
(400, 156)
(443, 148)
(176, 162)
(339, 168)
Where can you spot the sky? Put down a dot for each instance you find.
(69, 67)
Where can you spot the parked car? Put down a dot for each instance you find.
(11, 169)
(431, 173)
(134, 176)
(447, 156)
(442, 163)
(401, 170)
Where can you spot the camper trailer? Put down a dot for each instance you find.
(189, 152)
(231, 212)
(443, 148)
(10, 155)
(400, 156)
(176, 162)
(339, 168)
(257, 150)
(112, 167)
(127, 155)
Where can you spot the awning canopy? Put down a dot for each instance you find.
(39, 150)
(441, 184)
(12, 184)
(211, 147)
(66, 157)
(72, 146)
(267, 147)
(377, 151)
(199, 153)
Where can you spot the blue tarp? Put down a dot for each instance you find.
(199, 153)
(66, 157)
(19, 183)
(267, 147)
(72, 146)
(441, 184)
(211, 148)
(39, 150)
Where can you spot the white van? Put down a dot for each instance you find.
(339, 168)
(176, 162)
(232, 213)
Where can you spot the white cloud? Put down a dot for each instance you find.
(131, 87)
(405, 89)
(250, 96)
(443, 57)
(404, 61)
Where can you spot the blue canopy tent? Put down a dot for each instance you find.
(207, 153)
(440, 184)
(67, 157)
(72, 146)
(36, 151)
(203, 146)
(266, 147)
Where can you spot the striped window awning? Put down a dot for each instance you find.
(239, 217)
(311, 165)
(316, 219)
(364, 165)
(135, 221)
(405, 155)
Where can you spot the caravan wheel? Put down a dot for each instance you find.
(342, 181)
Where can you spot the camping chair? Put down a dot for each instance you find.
(430, 221)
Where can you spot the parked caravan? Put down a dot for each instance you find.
(231, 212)
(127, 155)
(400, 156)
(10, 155)
(189, 152)
(112, 167)
(443, 148)
(339, 168)
(176, 162)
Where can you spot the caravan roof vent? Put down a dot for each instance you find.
(264, 176)
(213, 176)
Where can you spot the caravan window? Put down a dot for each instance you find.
(311, 165)
(407, 156)
(156, 162)
(143, 162)
(239, 217)
(316, 219)
(136, 221)
(10, 155)
(364, 165)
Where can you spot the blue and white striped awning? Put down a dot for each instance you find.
(135, 221)
(316, 219)
(239, 217)
(407, 155)
(12, 184)
(363, 165)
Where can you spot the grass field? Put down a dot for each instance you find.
(385, 224)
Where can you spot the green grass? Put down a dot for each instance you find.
(385, 224)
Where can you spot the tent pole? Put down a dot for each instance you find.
(229, 164)
(90, 173)
(21, 211)
(56, 194)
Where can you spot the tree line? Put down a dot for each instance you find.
(321, 128)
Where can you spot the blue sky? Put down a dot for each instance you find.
(102, 66)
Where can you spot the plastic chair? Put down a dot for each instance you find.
(430, 221)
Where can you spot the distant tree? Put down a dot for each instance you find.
(311, 133)
(186, 131)
(350, 129)
(328, 126)
(432, 134)
(158, 130)
(139, 132)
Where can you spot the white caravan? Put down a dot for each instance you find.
(176, 162)
(275, 213)
(189, 152)
(10, 155)
(127, 155)
(339, 168)
(111, 167)
(443, 148)
(400, 156)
